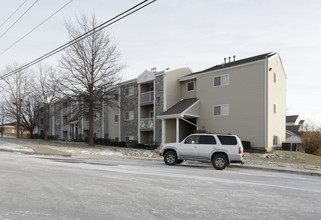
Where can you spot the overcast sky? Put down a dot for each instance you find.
(197, 33)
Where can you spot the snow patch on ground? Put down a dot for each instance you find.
(14, 147)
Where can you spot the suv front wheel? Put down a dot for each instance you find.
(170, 158)
(219, 161)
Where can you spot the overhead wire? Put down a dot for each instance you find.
(2, 52)
(109, 22)
(13, 13)
(18, 19)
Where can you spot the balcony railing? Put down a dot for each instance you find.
(147, 98)
(147, 124)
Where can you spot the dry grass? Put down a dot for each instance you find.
(290, 157)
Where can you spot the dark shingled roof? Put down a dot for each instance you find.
(291, 118)
(235, 63)
(180, 106)
(294, 129)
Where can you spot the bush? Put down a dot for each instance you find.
(311, 142)
(122, 144)
(246, 145)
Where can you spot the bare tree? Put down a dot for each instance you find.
(15, 89)
(29, 114)
(45, 93)
(91, 69)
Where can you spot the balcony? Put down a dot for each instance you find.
(146, 124)
(147, 98)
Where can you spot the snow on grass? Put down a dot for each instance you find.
(14, 147)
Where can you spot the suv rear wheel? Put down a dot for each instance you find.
(170, 158)
(219, 161)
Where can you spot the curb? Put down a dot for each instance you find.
(271, 169)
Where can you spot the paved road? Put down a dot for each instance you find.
(35, 187)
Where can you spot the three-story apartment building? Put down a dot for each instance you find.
(246, 97)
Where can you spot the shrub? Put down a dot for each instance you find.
(122, 144)
(246, 145)
(311, 142)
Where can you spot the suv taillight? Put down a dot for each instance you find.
(240, 150)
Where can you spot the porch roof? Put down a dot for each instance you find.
(185, 108)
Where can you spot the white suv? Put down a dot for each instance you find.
(220, 149)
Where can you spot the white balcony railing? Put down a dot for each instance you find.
(147, 98)
(147, 124)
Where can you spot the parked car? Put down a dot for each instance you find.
(219, 149)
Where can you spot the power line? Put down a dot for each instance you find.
(111, 21)
(36, 27)
(13, 13)
(18, 18)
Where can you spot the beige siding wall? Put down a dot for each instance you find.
(170, 130)
(173, 89)
(245, 97)
(113, 127)
(276, 95)
(184, 91)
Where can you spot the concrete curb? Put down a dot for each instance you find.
(279, 170)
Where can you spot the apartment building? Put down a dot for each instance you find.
(246, 97)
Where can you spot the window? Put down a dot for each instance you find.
(221, 80)
(275, 109)
(151, 114)
(207, 139)
(129, 115)
(116, 118)
(129, 91)
(190, 86)
(275, 78)
(117, 139)
(116, 97)
(227, 140)
(64, 105)
(220, 110)
(129, 139)
(192, 139)
(58, 121)
(275, 140)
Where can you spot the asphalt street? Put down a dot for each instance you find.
(38, 187)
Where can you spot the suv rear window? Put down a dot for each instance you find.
(227, 140)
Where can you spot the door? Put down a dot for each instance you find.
(207, 144)
(189, 147)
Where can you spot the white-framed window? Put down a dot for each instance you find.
(221, 80)
(220, 110)
(190, 86)
(116, 118)
(275, 140)
(275, 78)
(129, 115)
(129, 91)
(275, 109)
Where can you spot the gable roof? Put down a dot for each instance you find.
(180, 107)
(235, 63)
(291, 118)
(294, 129)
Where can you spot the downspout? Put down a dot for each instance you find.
(265, 107)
